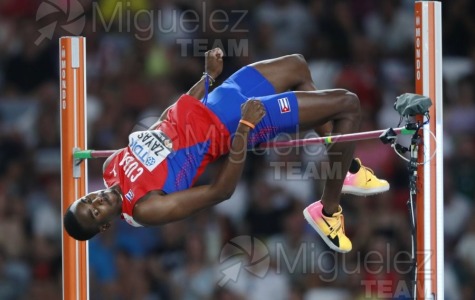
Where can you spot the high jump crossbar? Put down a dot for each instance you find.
(88, 154)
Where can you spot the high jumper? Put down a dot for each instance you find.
(151, 181)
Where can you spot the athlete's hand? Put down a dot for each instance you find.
(253, 111)
(214, 62)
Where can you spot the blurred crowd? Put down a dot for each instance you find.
(141, 55)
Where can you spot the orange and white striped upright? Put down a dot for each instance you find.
(72, 62)
(429, 207)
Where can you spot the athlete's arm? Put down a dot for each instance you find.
(157, 209)
(213, 66)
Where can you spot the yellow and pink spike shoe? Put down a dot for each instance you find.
(331, 229)
(364, 183)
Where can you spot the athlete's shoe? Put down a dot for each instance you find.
(331, 229)
(364, 183)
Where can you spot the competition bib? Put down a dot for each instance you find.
(150, 147)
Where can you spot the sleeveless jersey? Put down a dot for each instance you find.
(171, 156)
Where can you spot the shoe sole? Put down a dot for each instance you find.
(310, 221)
(363, 192)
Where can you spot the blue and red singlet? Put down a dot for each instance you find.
(173, 155)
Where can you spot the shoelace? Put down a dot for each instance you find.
(369, 170)
(339, 224)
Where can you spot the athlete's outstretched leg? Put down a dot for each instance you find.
(343, 109)
(291, 72)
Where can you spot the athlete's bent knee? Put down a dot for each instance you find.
(352, 107)
(352, 101)
(297, 59)
(349, 104)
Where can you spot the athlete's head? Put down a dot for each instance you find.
(92, 213)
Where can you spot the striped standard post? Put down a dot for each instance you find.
(72, 64)
(429, 207)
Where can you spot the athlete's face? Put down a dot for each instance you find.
(97, 209)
